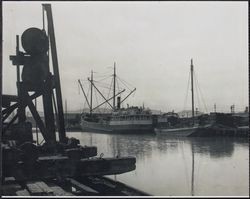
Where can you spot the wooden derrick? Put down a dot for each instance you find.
(32, 166)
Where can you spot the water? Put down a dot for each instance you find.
(164, 165)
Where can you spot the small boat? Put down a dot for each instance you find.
(182, 132)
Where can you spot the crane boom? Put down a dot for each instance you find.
(84, 93)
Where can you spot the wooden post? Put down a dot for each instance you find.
(48, 108)
(21, 107)
(51, 33)
(37, 141)
(1, 152)
(36, 116)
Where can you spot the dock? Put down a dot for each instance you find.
(58, 166)
(90, 186)
(223, 131)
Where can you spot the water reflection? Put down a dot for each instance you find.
(179, 166)
(142, 146)
(216, 148)
(133, 145)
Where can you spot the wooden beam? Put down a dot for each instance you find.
(23, 192)
(11, 98)
(48, 109)
(10, 189)
(61, 129)
(45, 188)
(37, 118)
(49, 167)
(83, 188)
(14, 106)
(34, 189)
(82, 152)
(10, 123)
(105, 166)
(58, 191)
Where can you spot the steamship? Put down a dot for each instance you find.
(125, 120)
(133, 119)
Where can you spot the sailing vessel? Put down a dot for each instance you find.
(175, 126)
(120, 120)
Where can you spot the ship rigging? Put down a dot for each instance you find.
(104, 89)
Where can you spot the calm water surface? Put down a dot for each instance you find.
(165, 166)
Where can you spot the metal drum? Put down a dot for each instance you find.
(35, 41)
(36, 69)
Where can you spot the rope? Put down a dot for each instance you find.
(118, 87)
(201, 94)
(106, 77)
(103, 85)
(185, 101)
(109, 91)
(122, 81)
(104, 74)
(126, 82)
(78, 86)
(196, 89)
(96, 101)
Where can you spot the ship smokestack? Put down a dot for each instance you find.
(118, 102)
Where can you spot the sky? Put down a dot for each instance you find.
(152, 44)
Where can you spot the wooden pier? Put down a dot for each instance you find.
(221, 131)
(89, 186)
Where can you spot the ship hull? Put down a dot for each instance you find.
(180, 132)
(117, 128)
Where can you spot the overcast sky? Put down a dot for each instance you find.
(152, 44)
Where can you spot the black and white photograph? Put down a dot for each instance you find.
(124, 99)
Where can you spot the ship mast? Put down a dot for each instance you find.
(114, 88)
(91, 91)
(192, 89)
(90, 104)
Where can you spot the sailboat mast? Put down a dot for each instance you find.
(114, 87)
(192, 89)
(91, 92)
